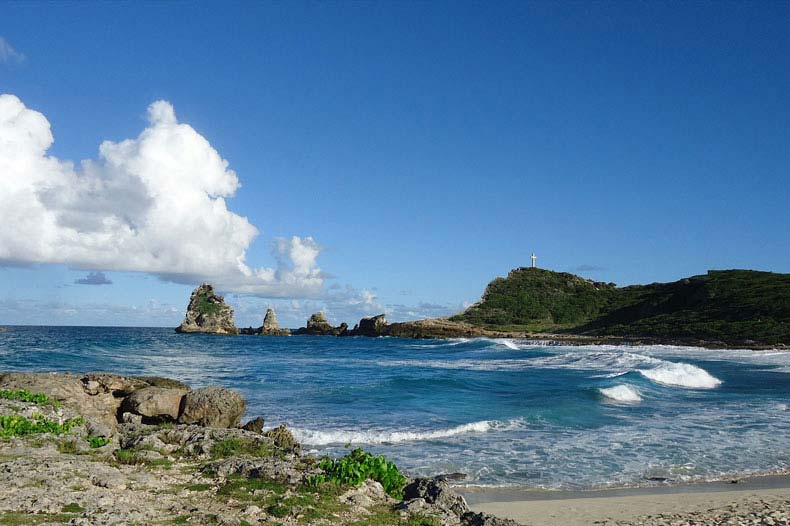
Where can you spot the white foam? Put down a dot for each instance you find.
(510, 344)
(681, 375)
(323, 438)
(621, 393)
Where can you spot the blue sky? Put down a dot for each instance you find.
(421, 148)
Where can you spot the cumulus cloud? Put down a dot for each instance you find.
(94, 278)
(154, 204)
(8, 53)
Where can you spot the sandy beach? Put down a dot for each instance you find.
(763, 500)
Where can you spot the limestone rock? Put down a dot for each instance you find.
(318, 325)
(436, 492)
(270, 321)
(283, 437)
(208, 313)
(484, 519)
(212, 407)
(271, 326)
(255, 425)
(372, 326)
(155, 404)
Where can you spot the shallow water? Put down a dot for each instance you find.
(505, 412)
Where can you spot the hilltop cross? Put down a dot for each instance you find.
(534, 258)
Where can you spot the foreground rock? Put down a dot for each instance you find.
(212, 407)
(183, 473)
(107, 400)
(208, 313)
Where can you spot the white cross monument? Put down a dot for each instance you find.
(534, 258)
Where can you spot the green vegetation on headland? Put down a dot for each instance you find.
(731, 306)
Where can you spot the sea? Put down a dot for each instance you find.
(504, 412)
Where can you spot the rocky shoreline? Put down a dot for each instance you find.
(102, 449)
(209, 314)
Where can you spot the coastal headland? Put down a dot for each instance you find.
(721, 309)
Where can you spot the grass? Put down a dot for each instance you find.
(15, 518)
(23, 395)
(206, 307)
(17, 425)
(132, 457)
(72, 508)
(283, 500)
(235, 446)
(383, 515)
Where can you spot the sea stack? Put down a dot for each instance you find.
(208, 313)
(271, 327)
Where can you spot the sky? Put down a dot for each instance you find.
(368, 157)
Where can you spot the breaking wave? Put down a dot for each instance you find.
(510, 344)
(681, 375)
(324, 438)
(621, 393)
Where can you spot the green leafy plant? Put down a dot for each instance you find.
(18, 425)
(23, 395)
(97, 442)
(356, 467)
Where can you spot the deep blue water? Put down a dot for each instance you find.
(506, 412)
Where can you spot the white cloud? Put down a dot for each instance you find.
(152, 204)
(8, 53)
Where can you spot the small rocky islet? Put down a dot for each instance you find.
(103, 449)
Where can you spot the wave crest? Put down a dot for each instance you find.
(681, 375)
(621, 393)
(336, 436)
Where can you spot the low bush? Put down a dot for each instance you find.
(356, 467)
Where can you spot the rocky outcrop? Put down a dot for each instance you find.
(106, 400)
(318, 325)
(212, 407)
(208, 313)
(372, 326)
(271, 326)
(434, 496)
(155, 404)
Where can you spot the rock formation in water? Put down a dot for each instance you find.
(372, 326)
(318, 325)
(271, 327)
(208, 313)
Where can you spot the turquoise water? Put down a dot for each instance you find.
(505, 412)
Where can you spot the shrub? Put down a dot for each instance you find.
(358, 466)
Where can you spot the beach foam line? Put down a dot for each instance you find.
(621, 393)
(335, 436)
(681, 375)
